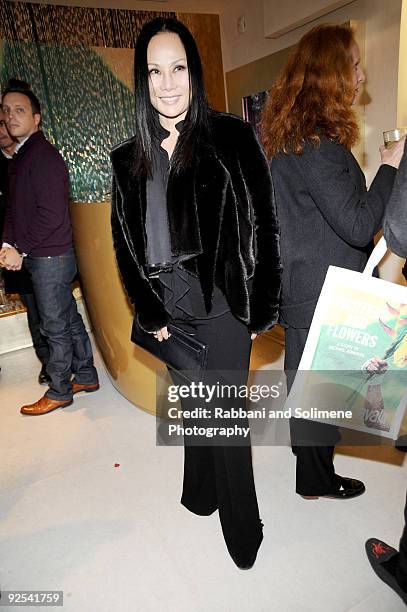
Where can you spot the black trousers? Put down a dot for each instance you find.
(315, 474)
(221, 477)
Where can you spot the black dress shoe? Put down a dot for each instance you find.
(43, 377)
(347, 488)
(384, 560)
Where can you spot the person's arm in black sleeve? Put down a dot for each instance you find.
(353, 212)
(149, 308)
(265, 292)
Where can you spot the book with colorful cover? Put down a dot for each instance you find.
(355, 359)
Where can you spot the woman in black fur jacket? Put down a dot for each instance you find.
(196, 240)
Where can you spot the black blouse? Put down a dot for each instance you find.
(180, 290)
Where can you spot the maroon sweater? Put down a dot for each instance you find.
(37, 216)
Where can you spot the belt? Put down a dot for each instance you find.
(157, 268)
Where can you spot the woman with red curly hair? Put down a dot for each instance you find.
(327, 215)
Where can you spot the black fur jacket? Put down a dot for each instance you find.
(223, 209)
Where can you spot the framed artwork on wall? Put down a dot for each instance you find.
(252, 108)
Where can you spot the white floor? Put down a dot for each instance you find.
(117, 539)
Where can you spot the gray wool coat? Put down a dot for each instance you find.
(327, 217)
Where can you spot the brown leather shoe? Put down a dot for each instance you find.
(76, 387)
(44, 405)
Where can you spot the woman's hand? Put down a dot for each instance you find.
(376, 365)
(162, 334)
(393, 155)
(253, 336)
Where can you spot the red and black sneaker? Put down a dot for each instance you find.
(383, 559)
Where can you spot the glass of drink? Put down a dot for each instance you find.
(392, 136)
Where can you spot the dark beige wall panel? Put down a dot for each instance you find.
(206, 31)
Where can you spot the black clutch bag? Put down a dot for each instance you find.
(181, 352)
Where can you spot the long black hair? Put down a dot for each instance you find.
(196, 121)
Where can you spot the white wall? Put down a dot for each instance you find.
(402, 90)
(283, 20)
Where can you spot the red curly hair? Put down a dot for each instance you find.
(314, 94)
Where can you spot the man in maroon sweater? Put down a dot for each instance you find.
(38, 230)
(20, 282)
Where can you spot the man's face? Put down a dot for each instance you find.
(6, 140)
(20, 119)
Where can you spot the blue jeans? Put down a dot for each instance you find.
(70, 350)
(40, 343)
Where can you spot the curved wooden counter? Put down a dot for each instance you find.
(131, 370)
